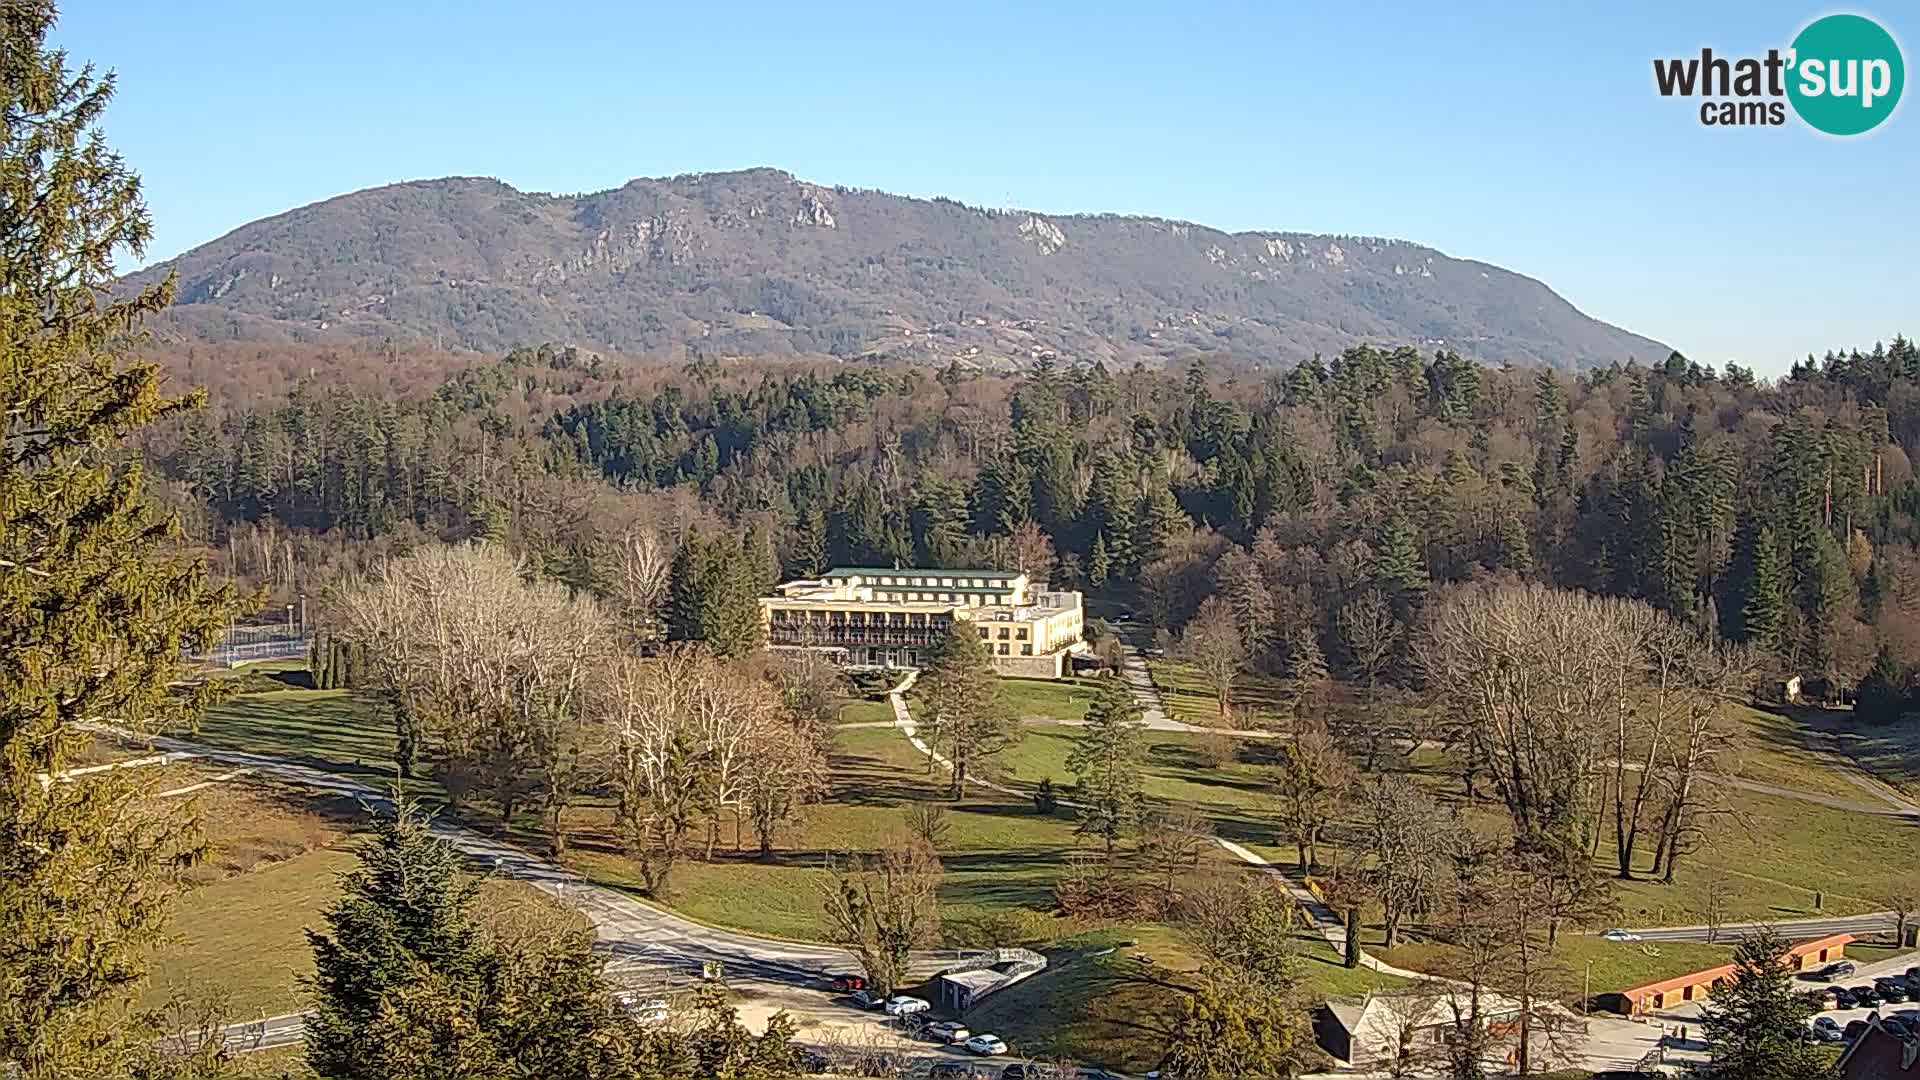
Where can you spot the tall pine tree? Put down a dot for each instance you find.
(94, 608)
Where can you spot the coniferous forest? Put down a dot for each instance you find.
(1777, 512)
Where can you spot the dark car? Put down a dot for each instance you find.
(1896, 1027)
(1855, 1029)
(950, 1070)
(1843, 997)
(867, 999)
(1894, 991)
(1865, 997)
(1029, 1070)
(1838, 970)
(846, 984)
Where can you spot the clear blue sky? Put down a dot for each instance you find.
(1524, 134)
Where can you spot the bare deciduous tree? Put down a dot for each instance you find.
(1211, 643)
(1170, 848)
(1526, 667)
(494, 667)
(642, 559)
(882, 908)
(1314, 774)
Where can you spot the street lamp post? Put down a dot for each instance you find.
(1586, 1000)
(290, 633)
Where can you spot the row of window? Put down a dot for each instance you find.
(970, 600)
(1025, 650)
(934, 582)
(1020, 633)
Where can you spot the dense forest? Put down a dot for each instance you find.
(1781, 513)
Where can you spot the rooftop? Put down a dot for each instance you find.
(921, 571)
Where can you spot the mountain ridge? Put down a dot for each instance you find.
(757, 262)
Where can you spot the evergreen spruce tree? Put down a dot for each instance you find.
(410, 984)
(94, 610)
(963, 707)
(1105, 762)
(400, 940)
(1754, 1022)
(1100, 563)
(807, 555)
(713, 591)
(1398, 568)
(1763, 593)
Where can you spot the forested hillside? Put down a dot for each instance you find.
(1778, 513)
(759, 264)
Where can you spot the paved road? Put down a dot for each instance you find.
(627, 929)
(1797, 929)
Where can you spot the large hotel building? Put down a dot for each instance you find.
(892, 618)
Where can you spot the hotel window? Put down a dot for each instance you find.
(1003, 648)
(983, 633)
(1026, 650)
(1003, 633)
(1022, 635)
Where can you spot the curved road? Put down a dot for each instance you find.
(635, 935)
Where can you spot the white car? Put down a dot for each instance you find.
(647, 1011)
(1619, 935)
(902, 1005)
(989, 1045)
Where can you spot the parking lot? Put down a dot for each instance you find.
(1864, 975)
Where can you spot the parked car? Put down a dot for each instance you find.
(1617, 934)
(1838, 970)
(866, 999)
(1853, 1030)
(947, 1031)
(1896, 1027)
(1029, 1070)
(1893, 990)
(647, 1011)
(989, 1045)
(950, 1070)
(846, 984)
(1865, 997)
(903, 1005)
(1823, 1000)
(1827, 1027)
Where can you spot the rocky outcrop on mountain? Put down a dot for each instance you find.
(759, 263)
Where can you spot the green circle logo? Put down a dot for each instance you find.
(1846, 74)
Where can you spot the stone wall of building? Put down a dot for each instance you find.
(1029, 667)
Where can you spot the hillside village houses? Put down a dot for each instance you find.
(881, 618)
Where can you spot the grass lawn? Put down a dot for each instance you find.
(340, 731)
(244, 935)
(1616, 965)
(1000, 855)
(1110, 996)
(1189, 699)
(1890, 752)
(1773, 854)
(1235, 795)
(1772, 749)
(862, 711)
(1048, 699)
